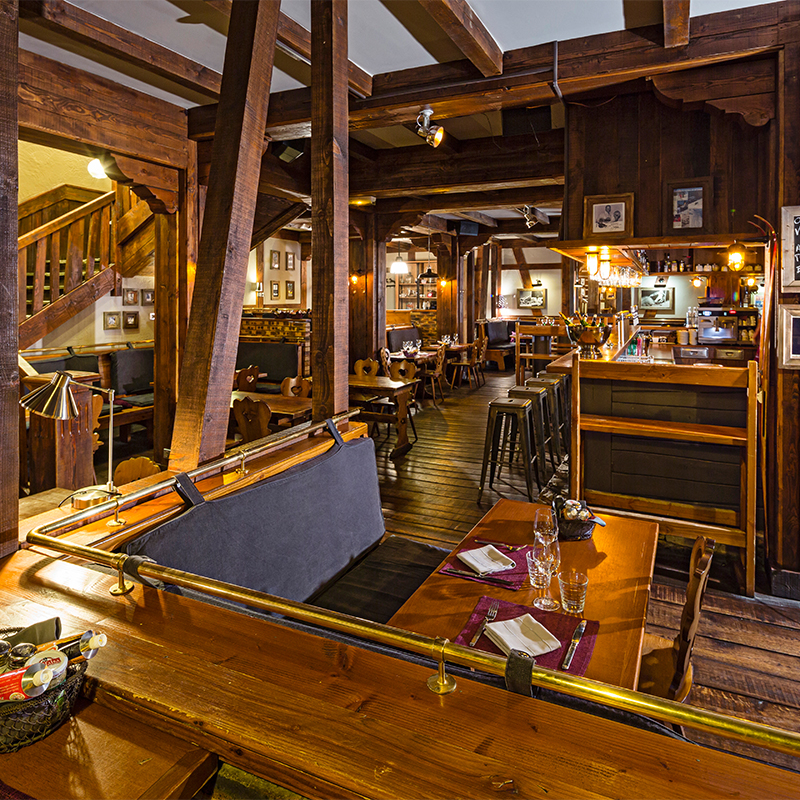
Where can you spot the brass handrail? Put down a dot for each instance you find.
(668, 711)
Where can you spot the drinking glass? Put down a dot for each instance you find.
(573, 586)
(547, 556)
(455, 338)
(419, 345)
(544, 525)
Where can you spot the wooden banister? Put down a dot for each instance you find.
(64, 221)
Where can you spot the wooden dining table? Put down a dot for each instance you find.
(618, 560)
(296, 409)
(400, 392)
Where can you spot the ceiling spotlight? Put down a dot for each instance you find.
(432, 134)
(530, 216)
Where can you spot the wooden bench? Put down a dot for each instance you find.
(99, 752)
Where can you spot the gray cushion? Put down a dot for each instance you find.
(396, 337)
(289, 535)
(132, 371)
(497, 333)
(277, 359)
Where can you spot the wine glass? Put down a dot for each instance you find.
(544, 525)
(547, 558)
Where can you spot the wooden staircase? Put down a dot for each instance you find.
(69, 261)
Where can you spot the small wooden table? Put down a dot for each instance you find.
(618, 559)
(399, 391)
(296, 409)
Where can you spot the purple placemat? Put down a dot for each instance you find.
(562, 626)
(516, 575)
(9, 793)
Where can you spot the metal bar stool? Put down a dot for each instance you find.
(538, 397)
(507, 415)
(563, 389)
(553, 416)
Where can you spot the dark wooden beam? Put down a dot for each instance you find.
(476, 216)
(463, 201)
(9, 320)
(99, 34)
(482, 165)
(201, 418)
(156, 184)
(520, 228)
(362, 151)
(463, 27)
(297, 40)
(329, 207)
(676, 23)
(270, 228)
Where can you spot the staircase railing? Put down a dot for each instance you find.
(58, 256)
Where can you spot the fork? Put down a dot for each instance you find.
(490, 615)
(510, 547)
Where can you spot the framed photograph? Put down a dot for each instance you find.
(687, 205)
(608, 216)
(152, 316)
(130, 297)
(274, 259)
(290, 261)
(111, 321)
(275, 290)
(659, 299)
(148, 297)
(789, 337)
(790, 244)
(130, 320)
(661, 280)
(532, 298)
(289, 290)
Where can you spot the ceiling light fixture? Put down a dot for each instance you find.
(592, 263)
(432, 134)
(398, 266)
(96, 170)
(736, 253)
(530, 216)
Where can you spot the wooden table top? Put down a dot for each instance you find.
(294, 407)
(379, 383)
(618, 559)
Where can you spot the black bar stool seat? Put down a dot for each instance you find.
(555, 423)
(539, 435)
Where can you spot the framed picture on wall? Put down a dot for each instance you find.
(290, 261)
(608, 216)
(789, 337)
(275, 290)
(790, 243)
(687, 205)
(290, 290)
(148, 297)
(660, 299)
(532, 298)
(130, 320)
(274, 259)
(111, 321)
(130, 297)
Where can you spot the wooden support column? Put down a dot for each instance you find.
(9, 320)
(201, 419)
(469, 295)
(329, 207)
(447, 295)
(167, 332)
(367, 293)
(496, 267)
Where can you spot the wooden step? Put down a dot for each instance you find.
(664, 429)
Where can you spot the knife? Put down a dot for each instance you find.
(451, 571)
(479, 631)
(573, 645)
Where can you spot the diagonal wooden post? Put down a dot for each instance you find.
(9, 321)
(329, 206)
(204, 395)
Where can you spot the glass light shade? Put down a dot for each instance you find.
(95, 169)
(435, 136)
(736, 254)
(697, 282)
(592, 264)
(399, 267)
(54, 400)
(429, 274)
(605, 269)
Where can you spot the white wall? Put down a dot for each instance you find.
(550, 279)
(43, 168)
(685, 294)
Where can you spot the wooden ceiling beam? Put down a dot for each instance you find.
(463, 27)
(272, 228)
(203, 408)
(463, 201)
(297, 40)
(520, 228)
(476, 216)
(100, 34)
(676, 23)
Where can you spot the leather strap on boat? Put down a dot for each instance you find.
(519, 668)
(187, 491)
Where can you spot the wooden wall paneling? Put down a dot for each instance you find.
(73, 270)
(469, 296)
(329, 206)
(9, 276)
(720, 165)
(574, 174)
(202, 413)
(569, 271)
(360, 339)
(447, 296)
(647, 208)
(377, 278)
(167, 332)
(190, 224)
(71, 108)
(464, 330)
(495, 256)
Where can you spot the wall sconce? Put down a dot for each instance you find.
(432, 134)
(259, 287)
(697, 281)
(736, 253)
(55, 401)
(398, 266)
(443, 283)
(95, 169)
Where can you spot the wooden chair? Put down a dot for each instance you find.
(483, 345)
(468, 362)
(295, 387)
(400, 371)
(366, 367)
(666, 669)
(383, 355)
(252, 418)
(246, 379)
(433, 375)
(133, 469)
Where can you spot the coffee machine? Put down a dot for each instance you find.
(717, 325)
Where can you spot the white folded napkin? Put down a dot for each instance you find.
(522, 633)
(486, 559)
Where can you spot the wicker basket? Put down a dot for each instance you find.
(29, 721)
(572, 530)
